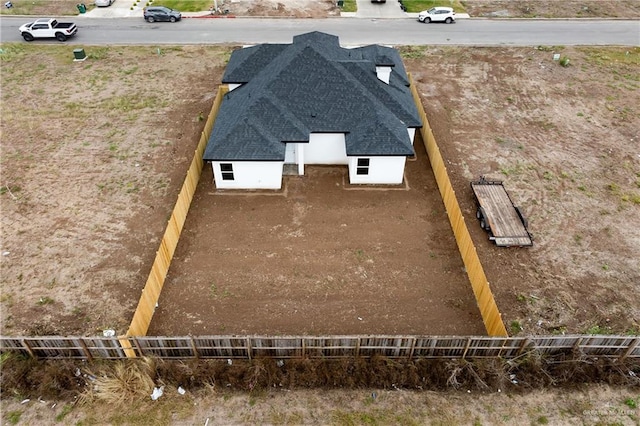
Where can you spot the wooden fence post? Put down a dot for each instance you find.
(125, 344)
(194, 348)
(85, 350)
(466, 348)
(634, 343)
(248, 343)
(26, 345)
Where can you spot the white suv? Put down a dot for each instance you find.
(437, 14)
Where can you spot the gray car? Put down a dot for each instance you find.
(161, 13)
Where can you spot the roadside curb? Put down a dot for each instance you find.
(209, 17)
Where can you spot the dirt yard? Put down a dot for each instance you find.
(553, 8)
(373, 260)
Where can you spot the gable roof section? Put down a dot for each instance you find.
(312, 85)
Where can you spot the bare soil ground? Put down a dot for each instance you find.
(553, 8)
(319, 257)
(565, 142)
(91, 167)
(277, 8)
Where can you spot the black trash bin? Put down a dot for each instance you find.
(340, 3)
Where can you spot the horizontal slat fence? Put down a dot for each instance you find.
(329, 347)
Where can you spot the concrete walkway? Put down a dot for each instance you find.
(119, 9)
(389, 10)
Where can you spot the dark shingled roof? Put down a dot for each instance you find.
(312, 86)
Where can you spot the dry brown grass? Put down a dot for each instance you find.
(120, 383)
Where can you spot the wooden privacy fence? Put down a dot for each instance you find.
(328, 347)
(151, 292)
(479, 283)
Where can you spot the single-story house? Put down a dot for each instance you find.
(312, 102)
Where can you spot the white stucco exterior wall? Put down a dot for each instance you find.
(250, 175)
(233, 86)
(326, 148)
(383, 73)
(382, 170)
(412, 134)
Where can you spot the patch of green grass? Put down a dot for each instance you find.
(7, 298)
(512, 170)
(634, 198)
(133, 102)
(13, 417)
(97, 53)
(131, 188)
(411, 52)
(130, 71)
(608, 56)
(188, 5)
(9, 189)
(414, 6)
(214, 292)
(45, 300)
(597, 329)
(542, 420)
(62, 414)
(631, 403)
(349, 6)
(11, 52)
(549, 48)
(375, 417)
(516, 327)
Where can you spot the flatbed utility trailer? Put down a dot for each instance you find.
(498, 216)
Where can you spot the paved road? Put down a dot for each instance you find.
(352, 31)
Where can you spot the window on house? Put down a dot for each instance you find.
(363, 166)
(227, 171)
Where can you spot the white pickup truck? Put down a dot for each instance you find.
(48, 28)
